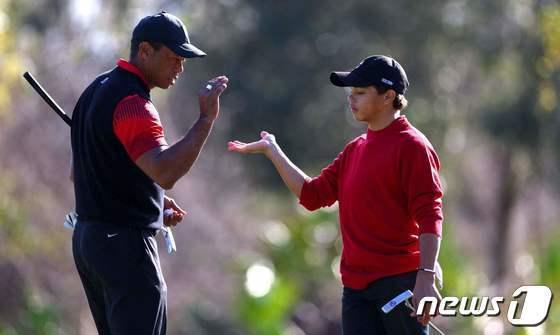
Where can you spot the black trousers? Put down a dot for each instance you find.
(362, 314)
(121, 275)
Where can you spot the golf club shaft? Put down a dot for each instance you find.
(47, 98)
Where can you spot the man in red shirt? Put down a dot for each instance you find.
(387, 185)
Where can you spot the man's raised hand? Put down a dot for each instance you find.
(209, 97)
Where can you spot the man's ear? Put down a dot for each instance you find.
(144, 50)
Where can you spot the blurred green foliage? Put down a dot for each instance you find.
(10, 63)
(267, 315)
(37, 320)
(549, 269)
(301, 251)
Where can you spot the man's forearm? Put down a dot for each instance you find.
(292, 176)
(178, 159)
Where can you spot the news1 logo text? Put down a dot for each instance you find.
(528, 312)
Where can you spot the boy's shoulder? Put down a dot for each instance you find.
(411, 136)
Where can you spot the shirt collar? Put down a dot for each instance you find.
(397, 125)
(127, 66)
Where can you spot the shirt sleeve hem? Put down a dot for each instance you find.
(134, 155)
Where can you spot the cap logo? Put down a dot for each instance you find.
(387, 81)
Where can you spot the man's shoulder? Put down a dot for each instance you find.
(103, 77)
(116, 82)
(97, 82)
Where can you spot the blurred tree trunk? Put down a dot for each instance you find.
(506, 199)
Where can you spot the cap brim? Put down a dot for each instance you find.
(347, 79)
(187, 50)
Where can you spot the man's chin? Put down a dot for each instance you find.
(166, 85)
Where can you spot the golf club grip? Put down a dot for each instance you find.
(50, 101)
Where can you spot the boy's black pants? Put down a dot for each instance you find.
(362, 314)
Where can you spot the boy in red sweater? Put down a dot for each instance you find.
(387, 185)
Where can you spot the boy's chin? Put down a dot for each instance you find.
(358, 118)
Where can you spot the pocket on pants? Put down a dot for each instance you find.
(115, 254)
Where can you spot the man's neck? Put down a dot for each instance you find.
(141, 67)
(384, 120)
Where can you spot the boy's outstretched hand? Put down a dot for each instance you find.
(262, 146)
(292, 176)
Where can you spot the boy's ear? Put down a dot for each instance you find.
(390, 95)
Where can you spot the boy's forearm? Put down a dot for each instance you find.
(429, 250)
(292, 176)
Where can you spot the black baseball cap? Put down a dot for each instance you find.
(167, 29)
(377, 70)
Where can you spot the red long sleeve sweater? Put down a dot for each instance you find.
(388, 189)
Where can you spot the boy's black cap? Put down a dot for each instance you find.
(167, 29)
(375, 70)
